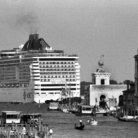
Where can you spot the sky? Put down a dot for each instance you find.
(88, 28)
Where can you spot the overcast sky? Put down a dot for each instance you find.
(89, 28)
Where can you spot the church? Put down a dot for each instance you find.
(101, 92)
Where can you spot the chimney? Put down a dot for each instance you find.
(36, 36)
(31, 37)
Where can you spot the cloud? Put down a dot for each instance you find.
(19, 14)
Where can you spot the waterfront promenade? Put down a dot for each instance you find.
(62, 124)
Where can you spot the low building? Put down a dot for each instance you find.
(129, 100)
(101, 92)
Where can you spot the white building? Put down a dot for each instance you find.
(101, 90)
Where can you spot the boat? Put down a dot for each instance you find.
(10, 117)
(79, 127)
(35, 72)
(92, 122)
(128, 118)
(102, 111)
(53, 106)
(84, 110)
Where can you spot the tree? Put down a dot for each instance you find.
(127, 82)
(113, 82)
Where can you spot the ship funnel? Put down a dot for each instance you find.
(35, 43)
(33, 36)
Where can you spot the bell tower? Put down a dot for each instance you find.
(101, 77)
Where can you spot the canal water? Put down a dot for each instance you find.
(108, 126)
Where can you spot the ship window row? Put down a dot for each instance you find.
(24, 64)
(59, 76)
(24, 73)
(57, 62)
(14, 85)
(8, 78)
(7, 74)
(48, 80)
(9, 61)
(27, 60)
(52, 89)
(24, 77)
(24, 67)
(57, 59)
(13, 68)
(42, 73)
(7, 68)
(57, 69)
(57, 66)
(25, 70)
(61, 84)
(35, 65)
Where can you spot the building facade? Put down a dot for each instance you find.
(101, 92)
(136, 79)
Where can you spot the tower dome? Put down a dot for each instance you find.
(101, 63)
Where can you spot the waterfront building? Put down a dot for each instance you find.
(36, 72)
(129, 100)
(136, 79)
(101, 91)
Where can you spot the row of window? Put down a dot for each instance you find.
(7, 78)
(22, 61)
(48, 80)
(43, 73)
(57, 69)
(16, 85)
(24, 70)
(59, 76)
(49, 93)
(11, 74)
(7, 68)
(56, 66)
(71, 62)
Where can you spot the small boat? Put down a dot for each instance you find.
(80, 127)
(84, 110)
(128, 119)
(94, 123)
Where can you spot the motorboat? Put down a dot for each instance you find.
(128, 118)
(84, 110)
(92, 122)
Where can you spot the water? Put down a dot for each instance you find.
(108, 126)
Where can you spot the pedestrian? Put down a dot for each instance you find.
(81, 123)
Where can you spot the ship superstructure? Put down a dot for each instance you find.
(37, 73)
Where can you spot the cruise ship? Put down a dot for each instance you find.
(35, 72)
